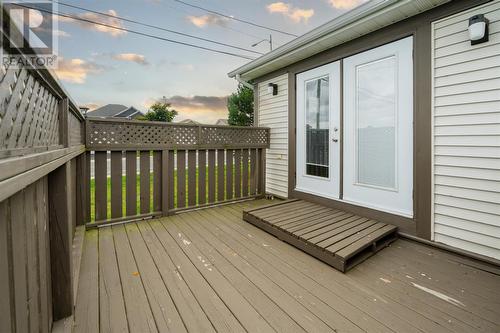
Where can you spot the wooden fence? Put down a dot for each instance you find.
(144, 169)
(41, 157)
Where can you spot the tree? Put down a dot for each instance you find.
(160, 111)
(240, 107)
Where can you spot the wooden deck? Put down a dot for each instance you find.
(208, 270)
(338, 238)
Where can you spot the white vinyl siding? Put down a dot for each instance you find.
(466, 134)
(273, 113)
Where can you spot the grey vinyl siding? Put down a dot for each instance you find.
(273, 113)
(466, 134)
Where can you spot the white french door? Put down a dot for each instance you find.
(318, 131)
(378, 131)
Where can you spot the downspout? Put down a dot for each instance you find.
(243, 82)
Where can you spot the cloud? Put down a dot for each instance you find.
(92, 106)
(76, 70)
(295, 14)
(204, 109)
(345, 4)
(131, 57)
(200, 102)
(112, 21)
(208, 19)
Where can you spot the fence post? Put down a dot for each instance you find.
(261, 186)
(167, 181)
(81, 187)
(60, 231)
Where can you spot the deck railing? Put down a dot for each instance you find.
(141, 169)
(41, 157)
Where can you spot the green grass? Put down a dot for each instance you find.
(151, 185)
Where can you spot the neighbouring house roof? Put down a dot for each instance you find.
(355, 23)
(222, 122)
(129, 113)
(188, 121)
(115, 110)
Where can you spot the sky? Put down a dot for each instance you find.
(99, 65)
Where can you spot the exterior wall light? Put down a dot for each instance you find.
(272, 88)
(478, 29)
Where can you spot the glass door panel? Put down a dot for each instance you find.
(317, 127)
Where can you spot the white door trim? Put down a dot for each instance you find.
(325, 187)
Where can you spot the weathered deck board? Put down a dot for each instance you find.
(241, 309)
(258, 282)
(220, 316)
(139, 313)
(166, 316)
(344, 243)
(223, 257)
(87, 305)
(111, 304)
(187, 305)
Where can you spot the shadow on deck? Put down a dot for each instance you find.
(208, 270)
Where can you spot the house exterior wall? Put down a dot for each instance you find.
(420, 27)
(273, 113)
(466, 134)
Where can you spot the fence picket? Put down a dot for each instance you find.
(181, 178)
(116, 184)
(253, 171)
(211, 176)
(145, 179)
(101, 180)
(157, 180)
(244, 163)
(220, 174)
(191, 178)
(229, 174)
(202, 176)
(131, 182)
(237, 173)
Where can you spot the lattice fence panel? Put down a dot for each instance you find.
(28, 111)
(107, 134)
(75, 131)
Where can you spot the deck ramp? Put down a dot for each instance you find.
(339, 238)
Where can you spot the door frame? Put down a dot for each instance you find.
(329, 187)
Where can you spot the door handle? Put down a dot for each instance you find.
(335, 130)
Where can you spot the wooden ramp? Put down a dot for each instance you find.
(338, 238)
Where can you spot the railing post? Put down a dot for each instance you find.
(81, 187)
(60, 230)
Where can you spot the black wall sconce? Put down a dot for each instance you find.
(272, 88)
(478, 29)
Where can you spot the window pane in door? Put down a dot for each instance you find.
(317, 127)
(376, 123)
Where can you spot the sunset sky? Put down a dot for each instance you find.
(100, 65)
